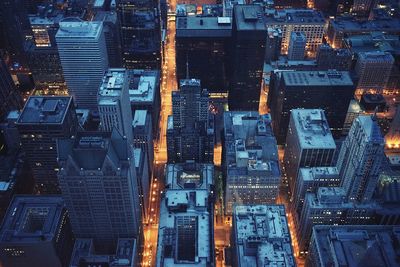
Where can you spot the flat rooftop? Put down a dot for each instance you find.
(189, 175)
(357, 245)
(316, 173)
(265, 228)
(79, 29)
(294, 16)
(249, 17)
(185, 229)
(45, 110)
(193, 26)
(317, 78)
(350, 25)
(31, 219)
(312, 129)
(112, 86)
(142, 85)
(139, 118)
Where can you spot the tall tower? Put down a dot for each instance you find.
(42, 121)
(360, 159)
(83, 55)
(114, 105)
(190, 134)
(249, 34)
(9, 96)
(99, 185)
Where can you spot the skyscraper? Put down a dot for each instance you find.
(100, 188)
(113, 103)
(331, 91)
(309, 143)
(248, 49)
(42, 121)
(9, 96)
(250, 160)
(83, 55)
(140, 33)
(297, 46)
(190, 135)
(36, 231)
(360, 159)
(202, 46)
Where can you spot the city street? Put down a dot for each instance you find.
(168, 84)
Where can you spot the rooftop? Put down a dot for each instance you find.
(79, 29)
(312, 129)
(111, 87)
(249, 17)
(139, 119)
(250, 144)
(123, 257)
(294, 16)
(45, 110)
(193, 26)
(371, 128)
(316, 173)
(317, 78)
(265, 228)
(357, 245)
(353, 25)
(189, 175)
(31, 219)
(142, 85)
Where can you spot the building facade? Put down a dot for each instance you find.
(297, 46)
(83, 54)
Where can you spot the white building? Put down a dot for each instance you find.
(83, 55)
(113, 103)
(309, 143)
(360, 159)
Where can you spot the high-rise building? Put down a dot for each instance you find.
(327, 90)
(186, 225)
(202, 45)
(297, 46)
(309, 180)
(111, 29)
(309, 143)
(250, 160)
(42, 121)
(140, 33)
(360, 159)
(83, 55)
(144, 93)
(328, 206)
(247, 59)
(143, 135)
(10, 98)
(373, 71)
(228, 6)
(100, 188)
(261, 236)
(36, 231)
(113, 103)
(309, 21)
(190, 133)
(273, 44)
(373, 244)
